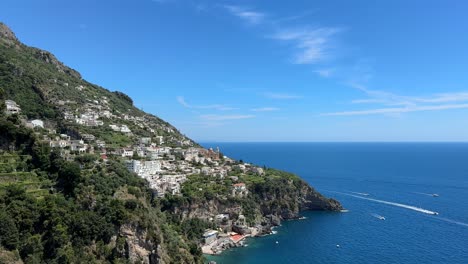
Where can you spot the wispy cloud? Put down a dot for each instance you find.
(265, 109)
(225, 117)
(248, 15)
(398, 110)
(181, 100)
(282, 96)
(387, 98)
(313, 45)
(391, 103)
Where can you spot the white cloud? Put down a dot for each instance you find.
(225, 117)
(398, 110)
(220, 107)
(386, 98)
(313, 45)
(265, 109)
(392, 104)
(282, 96)
(245, 14)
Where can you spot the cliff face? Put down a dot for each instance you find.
(66, 209)
(267, 202)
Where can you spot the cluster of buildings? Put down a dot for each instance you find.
(162, 157)
(165, 159)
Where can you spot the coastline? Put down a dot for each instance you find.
(225, 241)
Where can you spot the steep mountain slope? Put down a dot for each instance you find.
(86, 177)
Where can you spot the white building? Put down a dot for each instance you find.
(78, 147)
(125, 129)
(59, 144)
(12, 107)
(115, 127)
(101, 143)
(126, 152)
(88, 137)
(145, 140)
(37, 123)
(160, 140)
(144, 167)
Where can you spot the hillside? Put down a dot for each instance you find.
(86, 177)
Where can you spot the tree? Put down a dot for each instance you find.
(9, 235)
(32, 250)
(69, 176)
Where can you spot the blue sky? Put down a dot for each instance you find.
(269, 70)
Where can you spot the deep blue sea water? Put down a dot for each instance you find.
(395, 172)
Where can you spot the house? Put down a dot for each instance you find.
(126, 152)
(104, 157)
(78, 145)
(12, 107)
(221, 217)
(239, 189)
(59, 143)
(88, 137)
(240, 167)
(101, 143)
(145, 140)
(133, 165)
(239, 186)
(210, 236)
(125, 129)
(77, 142)
(115, 127)
(257, 170)
(144, 168)
(37, 123)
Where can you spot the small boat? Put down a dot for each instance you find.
(277, 242)
(435, 213)
(337, 245)
(435, 195)
(381, 217)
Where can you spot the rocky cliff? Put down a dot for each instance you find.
(64, 206)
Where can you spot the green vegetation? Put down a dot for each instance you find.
(85, 210)
(79, 211)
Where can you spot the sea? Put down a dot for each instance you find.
(395, 181)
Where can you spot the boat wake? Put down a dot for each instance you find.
(378, 216)
(410, 207)
(452, 221)
(359, 193)
(427, 194)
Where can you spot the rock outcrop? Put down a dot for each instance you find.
(137, 248)
(49, 58)
(7, 34)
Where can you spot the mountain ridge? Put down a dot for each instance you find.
(119, 185)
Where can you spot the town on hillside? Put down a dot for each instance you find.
(151, 150)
